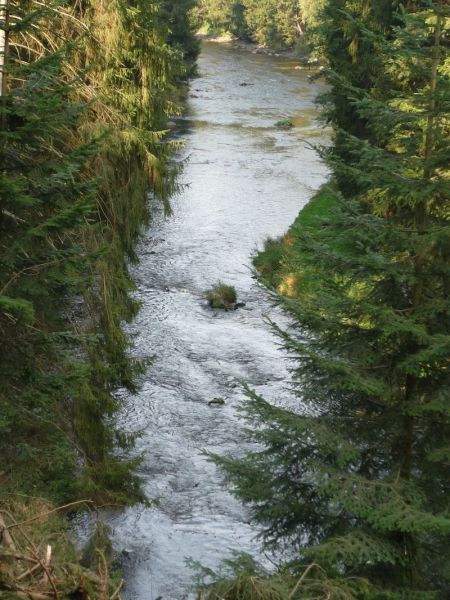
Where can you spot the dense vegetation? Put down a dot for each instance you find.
(353, 486)
(86, 92)
(271, 22)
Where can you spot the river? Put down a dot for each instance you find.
(244, 180)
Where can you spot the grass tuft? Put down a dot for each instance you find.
(285, 124)
(222, 296)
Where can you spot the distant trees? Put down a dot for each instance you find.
(176, 15)
(216, 13)
(353, 484)
(273, 22)
(276, 23)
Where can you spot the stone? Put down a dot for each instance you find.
(216, 402)
(239, 305)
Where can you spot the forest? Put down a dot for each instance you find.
(348, 489)
(275, 23)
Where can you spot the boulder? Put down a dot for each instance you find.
(216, 402)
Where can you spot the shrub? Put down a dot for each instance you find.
(222, 296)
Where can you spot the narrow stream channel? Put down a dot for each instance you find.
(246, 181)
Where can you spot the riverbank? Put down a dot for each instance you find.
(280, 265)
(254, 48)
(39, 561)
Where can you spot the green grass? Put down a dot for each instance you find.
(268, 263)
(280, 263)
(317, 210)
(284, 124)
(222, 296)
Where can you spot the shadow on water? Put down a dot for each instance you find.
(245, 181)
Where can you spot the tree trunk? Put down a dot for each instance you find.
(408, 433)
(429, 134)
(4, 6)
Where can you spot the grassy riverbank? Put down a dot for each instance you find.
(280, 265)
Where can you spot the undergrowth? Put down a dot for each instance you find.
(38, 561)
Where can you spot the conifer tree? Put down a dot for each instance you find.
(356, 480)
(90, 86)
(45, 203)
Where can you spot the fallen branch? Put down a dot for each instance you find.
(303, 577)
(103, 575)
(47, 560)
(34, 569)
(18, 556)
(35, 553)
(48, 577)
(30, 571)
(117, 590)
(6, 536)
(47, 513)
(28, 594)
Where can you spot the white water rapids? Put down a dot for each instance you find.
(247, 180)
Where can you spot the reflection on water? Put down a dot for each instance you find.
(247, 180)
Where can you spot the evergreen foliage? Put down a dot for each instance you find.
(90, 87)
(176, 13)
(356, 480)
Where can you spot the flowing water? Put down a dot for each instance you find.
(245, 180)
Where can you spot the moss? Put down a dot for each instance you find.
(222, 296)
